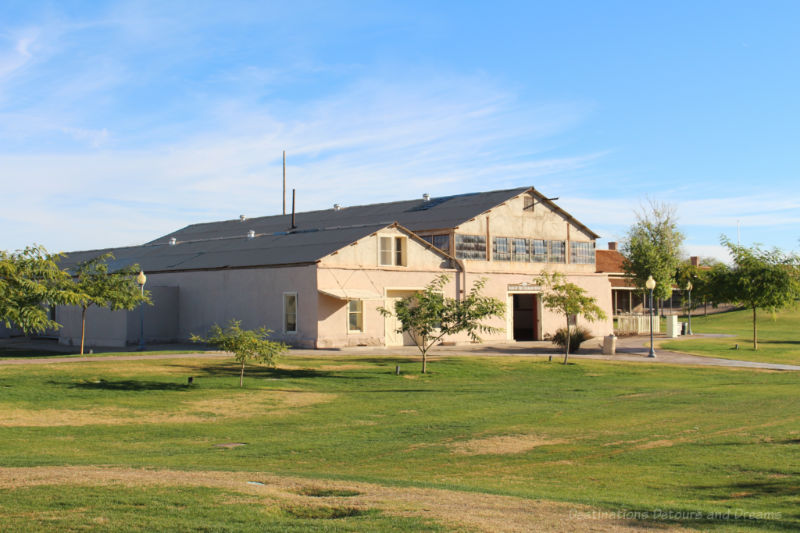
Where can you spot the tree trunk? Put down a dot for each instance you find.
(755, 330)
(566, 344)
(424, 361)
(83, 327)
(241, 376)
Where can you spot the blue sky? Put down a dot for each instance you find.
(120, 122)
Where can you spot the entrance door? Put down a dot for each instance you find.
(393, 338)
(526, 317)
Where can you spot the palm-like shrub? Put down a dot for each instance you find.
(576, 337)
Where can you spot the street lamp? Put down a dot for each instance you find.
(689, 326)
(651, 284)
(141, 279)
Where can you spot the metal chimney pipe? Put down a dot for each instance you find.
(293, 225)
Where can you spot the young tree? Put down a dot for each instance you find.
(761, 279)
(99, 286)
(244, 344)
(568, 299)
(30, 281)
(429, 315)
(653, 248)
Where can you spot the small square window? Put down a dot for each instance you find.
(385, 253)
(290, 312)
(501, 249)
(355, 315)
(539, 250)
(400, 251)
(521, 250)
(558, 251)
(528, 203)
(392, 251)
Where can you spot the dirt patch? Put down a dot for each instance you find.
(241, 405)
(457, 510)
(343, 367)
(656, 444)
(502, 444)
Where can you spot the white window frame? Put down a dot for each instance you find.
(394, 240)
(382, 250)
(296, 313)
(360, 311)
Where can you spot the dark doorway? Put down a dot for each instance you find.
(526, 317)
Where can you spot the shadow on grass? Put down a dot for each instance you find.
(774, 342)
(256, 371)
(126, 385)
(32, 354)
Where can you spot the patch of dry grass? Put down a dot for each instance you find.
(459, 510)
(502, 444)
(239, 405)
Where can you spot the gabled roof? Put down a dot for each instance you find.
(225, 244)
(416, 215)
(270, 249)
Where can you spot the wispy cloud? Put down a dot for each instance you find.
(372, 141)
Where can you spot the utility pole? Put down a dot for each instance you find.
(284, 182)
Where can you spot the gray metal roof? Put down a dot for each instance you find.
(416, 215)
(225, 244)
(299, 247)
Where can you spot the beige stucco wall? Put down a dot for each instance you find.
(252, 295)
(333, 312)
(356, 267)
(509, 219)
(497, 286)
(333, 325)
(363, 254)
(103, 327)
(118, 328)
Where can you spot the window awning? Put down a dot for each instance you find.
(352, 294)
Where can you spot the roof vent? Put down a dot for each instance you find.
(426, 197)
(173, 241)
(251, 234)
(242, 218)
(336, 207)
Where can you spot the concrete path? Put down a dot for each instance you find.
(631, 349)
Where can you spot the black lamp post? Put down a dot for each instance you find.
(141, 279)
(651, 284)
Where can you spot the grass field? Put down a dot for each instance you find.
(7, 352)
(343, 444)
(778, 337)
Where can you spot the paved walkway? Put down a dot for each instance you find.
(632, 349)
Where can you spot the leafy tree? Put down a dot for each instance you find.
(653, 248)
(429, 315)
(98, 285)
(705, 282)
(760, 279)
(568, 299)
(244, 344)
(30, 281)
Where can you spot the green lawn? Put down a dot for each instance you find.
(705, 448)
(16, 353)
(778, 337)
